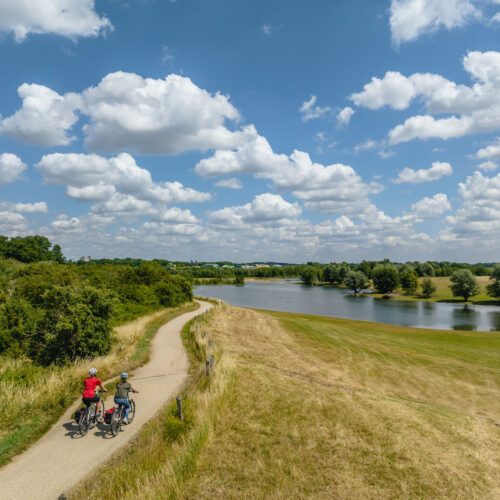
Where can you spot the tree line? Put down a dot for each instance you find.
(53, 311)
(387, 277)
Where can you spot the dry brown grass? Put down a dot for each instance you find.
(310, 407)
(315, 419)
(162, 456)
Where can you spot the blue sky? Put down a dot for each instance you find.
(284, 130)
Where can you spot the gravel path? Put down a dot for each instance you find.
(61, 458)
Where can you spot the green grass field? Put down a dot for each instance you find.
(310, 407)
(443, 292)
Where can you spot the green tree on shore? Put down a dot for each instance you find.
(356, 281)
(464, 284)
(308, 275)
(385, 278)
(494, 287)
(239, 277)
(428, 288)
(408, 280)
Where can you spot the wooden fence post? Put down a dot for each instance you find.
(179, 408)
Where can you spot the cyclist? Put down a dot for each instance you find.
(121, 396)
(90, 384)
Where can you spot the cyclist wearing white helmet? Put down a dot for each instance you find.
(121, 396)
(90, 384)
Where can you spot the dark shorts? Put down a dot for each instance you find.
(88, 401)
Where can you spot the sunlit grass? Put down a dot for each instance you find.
(309, 407)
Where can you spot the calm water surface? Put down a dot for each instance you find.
(290, 297)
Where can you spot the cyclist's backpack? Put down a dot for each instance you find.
(78, 414)
(109, 414)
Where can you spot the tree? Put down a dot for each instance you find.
(494, 287)
(408, 280)
(428, 288)
(343, 272)
(239, 277)
(57, 254)
(356, 281)
(385, 278)
(464, 284)
(331, 274)
(308, 275)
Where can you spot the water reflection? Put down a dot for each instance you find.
(326, 301)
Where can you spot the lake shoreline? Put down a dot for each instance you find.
(330, 301)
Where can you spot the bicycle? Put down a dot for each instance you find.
(119, 415)
(91, 415)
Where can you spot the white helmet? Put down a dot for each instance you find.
(93, 372)
(124, 375)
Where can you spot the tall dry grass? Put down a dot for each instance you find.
(161, 458)
(33, 397)
(308, 407)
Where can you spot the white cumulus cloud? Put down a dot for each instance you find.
(310, 111)
(232, 183)
(115, 185)
(412, 18)
(11, 168)
(37, 207)
(469, 109)
(430, 207)
(157, 116)
(344, 115)
(45, 117)
(325, 188)
(263, 208)
(69, 18)
(435, 172)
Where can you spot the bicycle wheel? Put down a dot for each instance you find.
(99, 412)
(116, 422)
(131, 413)
(84, 423)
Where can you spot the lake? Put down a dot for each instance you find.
(326, 301)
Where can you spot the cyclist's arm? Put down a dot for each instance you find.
(103, 389)
(133, 390)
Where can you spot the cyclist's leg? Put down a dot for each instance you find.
(125, 403)
(87, 402)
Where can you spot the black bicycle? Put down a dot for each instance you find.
(90, 416)
(119, 415)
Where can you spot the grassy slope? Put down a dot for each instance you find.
(303, 406)
(334, 408)
(33, 398)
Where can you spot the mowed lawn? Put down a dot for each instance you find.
(330, 408)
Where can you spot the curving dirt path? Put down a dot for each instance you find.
(61, 458)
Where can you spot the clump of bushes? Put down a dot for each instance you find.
(55, 313)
